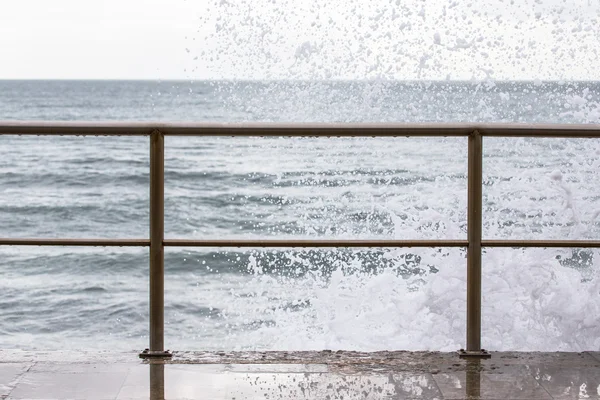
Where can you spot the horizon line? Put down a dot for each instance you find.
(221, 80)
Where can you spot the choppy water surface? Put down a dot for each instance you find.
(366, 299)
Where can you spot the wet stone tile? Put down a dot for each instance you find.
(474, 385)
(567, 384)
(10, 373)
(490, 366)
(232, 382)
(415, 362)
(411, 386)
(71, 381)
(96, 356)
(346, 375)
(310, 386)
(595, 355)
(539, 358)
(79, 368)
(277, 368)
(172, 381)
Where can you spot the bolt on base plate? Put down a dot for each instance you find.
(483, 353)
(147, 353)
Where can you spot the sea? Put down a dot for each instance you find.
(57, 298)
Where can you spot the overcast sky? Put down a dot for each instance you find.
(295, 39)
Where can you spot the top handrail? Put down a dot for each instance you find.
(136, 128)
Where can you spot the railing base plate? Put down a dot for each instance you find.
(462, 353)
(147, 353)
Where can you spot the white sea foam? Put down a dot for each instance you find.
(530, 302)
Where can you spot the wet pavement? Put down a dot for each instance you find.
(299, 375)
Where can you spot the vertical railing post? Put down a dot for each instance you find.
(157, 250)
(474, 227)
(157, 381)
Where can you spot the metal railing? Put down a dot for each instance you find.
(157, 242)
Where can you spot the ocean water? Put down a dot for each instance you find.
(361, 188)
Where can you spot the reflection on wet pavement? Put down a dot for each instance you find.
(314, 375)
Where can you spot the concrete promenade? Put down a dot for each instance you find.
(298, 375)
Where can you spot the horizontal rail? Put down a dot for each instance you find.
(296, 130)
(226, 129)
(60, 128)
(541, 243)
(274, 243)
(320, 130)
(540, 131)
(75, 242)
(313, 243)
